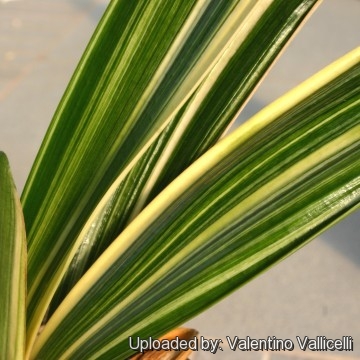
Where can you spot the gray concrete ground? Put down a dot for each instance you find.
(315, 292)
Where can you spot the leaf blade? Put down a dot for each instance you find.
(255, 197)
(62, 184)
(66, 184)
(197, 127)
(12, 267)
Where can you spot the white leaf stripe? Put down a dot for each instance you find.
(12, 267)
(133, 314)
(196, 183)
(69, 196)
(204, 112)
(87, 188)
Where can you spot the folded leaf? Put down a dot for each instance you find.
(254, 198)
(12, 268)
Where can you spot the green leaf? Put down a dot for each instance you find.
(144, 62)
(257, 196)
(196, 127)
(136, 72)
(12, 268)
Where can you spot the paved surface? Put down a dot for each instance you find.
(313, 293)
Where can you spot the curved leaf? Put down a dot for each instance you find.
(257, 196)
(138, 70)
(197, 126)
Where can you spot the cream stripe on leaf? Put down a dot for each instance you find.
(123, 90)
(12, 268)
(196, 127)
(255, 197)
(112, 100)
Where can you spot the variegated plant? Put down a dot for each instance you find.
(137, 218)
